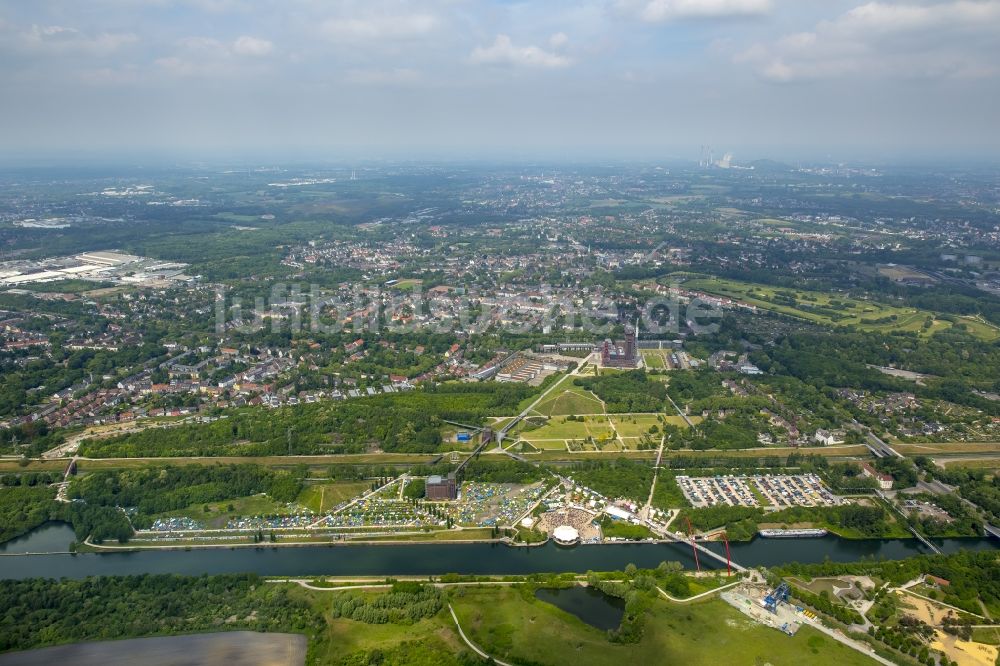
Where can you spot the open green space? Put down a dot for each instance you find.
(637, 425)
(837, 310)
(215, 515)
(514, 626)
(561, 428)
(321, 497)
(654, 359)
(570, 401)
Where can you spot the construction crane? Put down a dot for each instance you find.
(779, 594)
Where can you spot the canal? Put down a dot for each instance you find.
(430, 558)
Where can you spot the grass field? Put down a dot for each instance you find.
(654, 359)
(636, 425)
(928, 448)
(677, 420)
(514, 627)
(837, 310)
(321, 497)
(429, 642)
(268, 461)
(571, 400)
(220, 512)
(991, 465)
(12, 465)
(407, 284)
(560, 428)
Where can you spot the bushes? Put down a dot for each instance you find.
(621, 478)
(405, 603)
(502, 471)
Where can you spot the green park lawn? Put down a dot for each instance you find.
(636, 425)
(515, 627)
(654, 359)
(569, 400)
(560, 428)
(320, 497)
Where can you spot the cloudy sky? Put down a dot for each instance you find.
(288, 79)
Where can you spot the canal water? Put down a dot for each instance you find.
(433, 558)
(597, 609)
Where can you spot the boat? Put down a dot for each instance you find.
(792, 534)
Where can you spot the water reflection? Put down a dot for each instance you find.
(590, 605)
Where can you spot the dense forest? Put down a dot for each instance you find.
(39, 612)
(155, 490)
(23, 508)
(408, 422)
(619, 478)
(624, 392)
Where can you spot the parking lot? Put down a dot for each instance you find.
(714, 491)
(785, 490)
(778, 490)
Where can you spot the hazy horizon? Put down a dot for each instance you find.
(893, 81)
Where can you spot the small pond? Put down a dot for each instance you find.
(590, 605)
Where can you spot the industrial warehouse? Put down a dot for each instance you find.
(98, 267)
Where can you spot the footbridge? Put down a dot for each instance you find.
(670, 536)
(920, 537)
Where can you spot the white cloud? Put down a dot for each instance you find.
(378, 27)
(62, 40)
(503, 52)
(656, 11)
(558, 40)
(204, 56)
(952, 38)
(252, 46)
